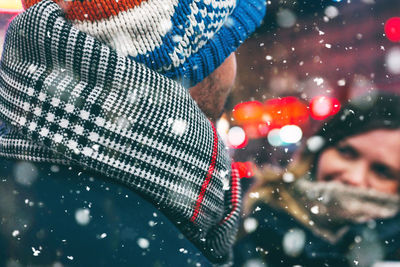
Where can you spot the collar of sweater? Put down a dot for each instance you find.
(68, 98)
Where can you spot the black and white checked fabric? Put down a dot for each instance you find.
(70, 99)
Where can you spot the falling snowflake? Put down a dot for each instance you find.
(82, 216)
(143, 243)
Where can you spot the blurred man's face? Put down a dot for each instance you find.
(369, 160)
(211, 93)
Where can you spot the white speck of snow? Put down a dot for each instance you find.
(25, 173)
(319, 81)
(225, 183)
(250, 224)
(341, 82)
(177, 38)
(15, 233)
(35, 252)
(82, 216)
(355, 262)
(32, 68)
(257, 208)
(254, 195)
(87, 188)
(393, 60)
(321, 33)
(179, 127)
(143, 243)
(288, 177)
(315, 209)
(184, 251)
(286, 18)
(122, 123)
(54, 168)
(103, 235)
(229, 22)
(293, 242)
(331, 12)
(70, 258)
(328, 45)
(268, 57)
(315, 143)
(223, 173)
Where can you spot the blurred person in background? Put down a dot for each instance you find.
(338, 203)
(108, 155)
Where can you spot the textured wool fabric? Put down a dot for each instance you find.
(339, 206)
(183, 39)
(68, 98)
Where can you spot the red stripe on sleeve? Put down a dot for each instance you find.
(208, 177)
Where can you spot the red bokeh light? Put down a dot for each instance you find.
(392, 29)
(321, 107)
(283, 111)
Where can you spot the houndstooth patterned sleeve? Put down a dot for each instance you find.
(70, 99)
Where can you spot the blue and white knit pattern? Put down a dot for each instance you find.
(183, 39)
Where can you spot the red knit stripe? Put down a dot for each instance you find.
(208, 177)
(91, 10)
(235, 194)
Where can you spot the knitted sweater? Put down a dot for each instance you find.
(68, 98)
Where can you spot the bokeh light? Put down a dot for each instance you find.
(284, 111)
(274, 138)
(237, 137)
(291, 134)
(248, 111)
(392, 29)
(321, 107)
(13, 6)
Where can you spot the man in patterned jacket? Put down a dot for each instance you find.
(97, 121)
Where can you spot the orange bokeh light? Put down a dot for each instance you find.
(251, 111)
